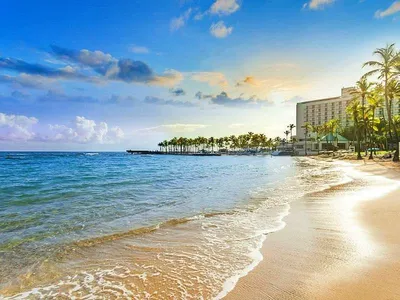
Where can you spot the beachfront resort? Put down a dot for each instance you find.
(264, 163)
(365, 117)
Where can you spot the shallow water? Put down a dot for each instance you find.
(126, 226)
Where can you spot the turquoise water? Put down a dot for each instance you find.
(49, 198)
(51, 203)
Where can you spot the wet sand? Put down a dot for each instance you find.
(331, 249)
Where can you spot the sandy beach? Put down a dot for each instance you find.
(341, 243)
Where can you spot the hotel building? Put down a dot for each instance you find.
(318, 112)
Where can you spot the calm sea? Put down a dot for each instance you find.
(113, 225)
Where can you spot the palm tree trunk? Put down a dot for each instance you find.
(359, 157)
(364, 121)
(371, 156)
(396, 134)
(391, 125)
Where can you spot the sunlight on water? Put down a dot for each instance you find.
(111, 225)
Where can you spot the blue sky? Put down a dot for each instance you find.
(111, 75)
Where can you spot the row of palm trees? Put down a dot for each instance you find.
(369, 97)
(378, 90)
(382, 95)
(245, 142)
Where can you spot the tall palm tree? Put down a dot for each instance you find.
(291, 127)
(211, 142)
(277, 142)
(286, 133)
(354, 110)
(362, 90)
(234, 142)
(307, 128)
(375, 102)
(333, 126)
(386, 69)
(325, 128)
(165, 145)
(318, 130)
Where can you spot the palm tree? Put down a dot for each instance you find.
(325, 131)
(220, 143)
(234, 142)
(227, 143)
(375, 102)
(362, 90)
(211, 143)
(333, 126)
(286, 133)
(386, 69)
(318, 130)
(354, 110)
(277, 141)
(291, 127)
(307, 127)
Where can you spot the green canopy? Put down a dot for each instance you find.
(332, 138)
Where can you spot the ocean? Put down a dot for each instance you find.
(114, 225)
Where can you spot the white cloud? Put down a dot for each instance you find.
(224, 7)
(249, 102)
(212, 78)
(140, 49)
(16, 127)
(168, 78)
(219, 30)
(85, 131)
(177, 23)
(95, 58)
(317, 4)
(199, 16)
(28, 81)
(391, 10)
(20, 128)
(273, 83)
(251, 81)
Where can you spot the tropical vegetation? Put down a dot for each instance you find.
(374, 112)
(374, 109)
(245, 142)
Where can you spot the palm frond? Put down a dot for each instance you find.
(373, 72)
(373, 63)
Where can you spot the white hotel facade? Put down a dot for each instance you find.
(318, 112)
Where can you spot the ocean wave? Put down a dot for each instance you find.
(198, 256)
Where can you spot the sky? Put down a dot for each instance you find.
(113, 75)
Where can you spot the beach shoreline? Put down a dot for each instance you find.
(333, 249)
